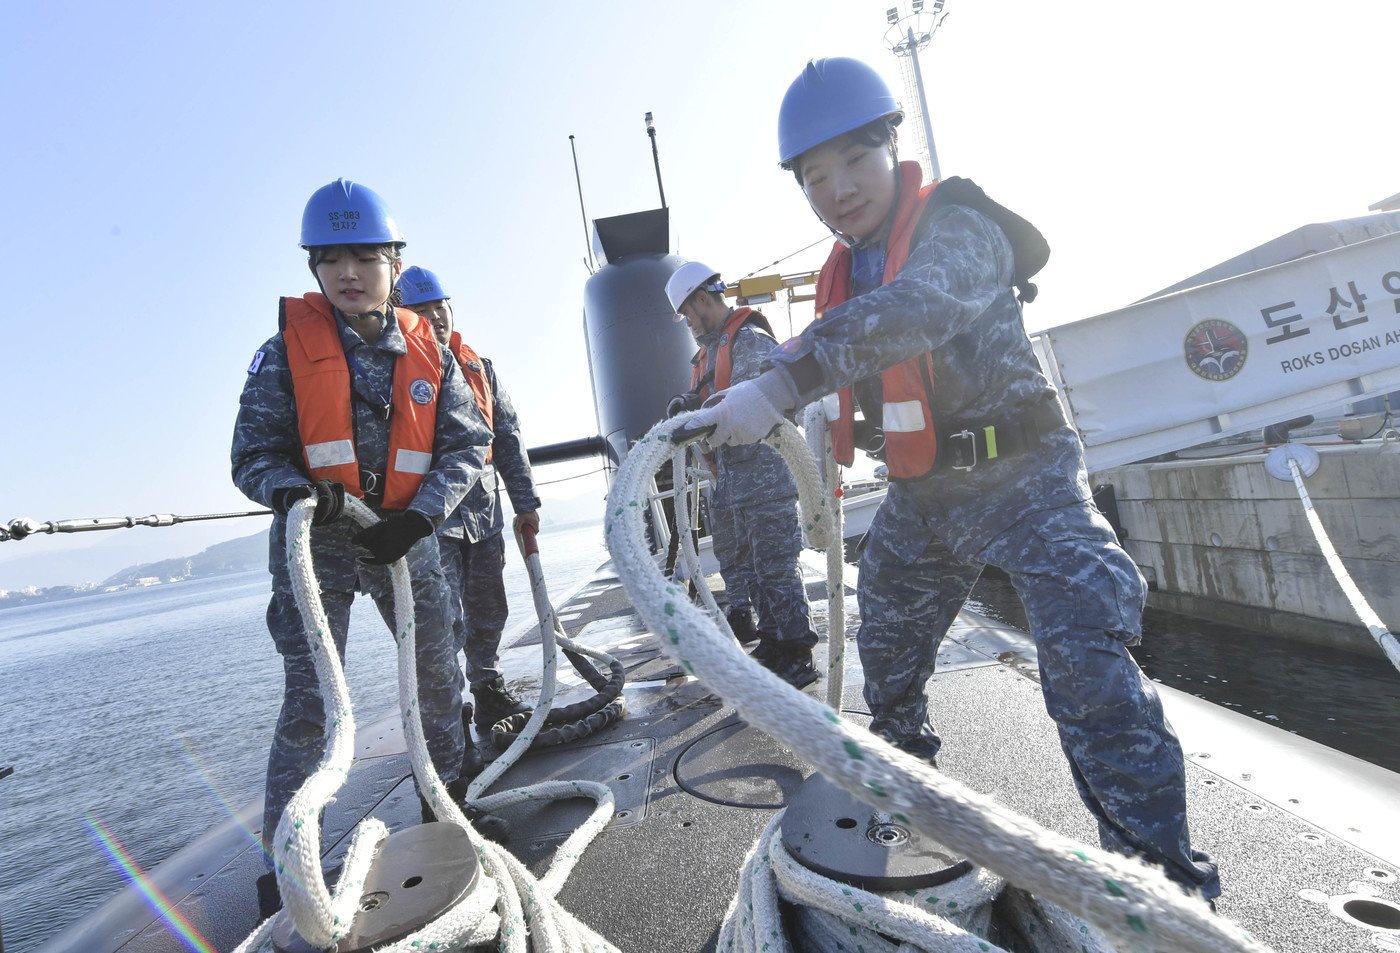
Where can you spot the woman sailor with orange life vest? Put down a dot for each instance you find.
(754, 504)
(918, 311)
(353, 395)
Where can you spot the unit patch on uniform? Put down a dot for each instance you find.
(1216, 350)
(256, 366)
(421, 391)
(474, 365)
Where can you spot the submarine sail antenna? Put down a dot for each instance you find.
(655, 158)
(906, 36)
(587, 245)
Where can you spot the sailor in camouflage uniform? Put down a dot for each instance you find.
(471, 540)
(351, 328)
(727, 538)
(755, 496)
(917, 309)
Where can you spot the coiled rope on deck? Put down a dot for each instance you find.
(835, 917)
(510, 906)
(1132, 903)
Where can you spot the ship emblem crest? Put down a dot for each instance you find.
(421, 391)
(1216, 350)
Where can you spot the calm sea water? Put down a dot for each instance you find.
(1344, 700)
(146, 711)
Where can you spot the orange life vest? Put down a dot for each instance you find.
(474, 369)
(911, 437)
(724, 352)
(325, 418)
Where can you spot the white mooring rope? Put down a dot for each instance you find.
(1383, 636)
(1136, 906)
(509, 906)
(819, 449)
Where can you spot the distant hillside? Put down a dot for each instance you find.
(236, 555)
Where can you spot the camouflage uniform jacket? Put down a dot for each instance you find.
(480, 517)
(753, 473)
(267, 451)
(952, 297)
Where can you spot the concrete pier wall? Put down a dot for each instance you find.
(1221, 539)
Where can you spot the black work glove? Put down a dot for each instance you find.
(330, 500)
(683, 402)
(392, 537)
(283, 499)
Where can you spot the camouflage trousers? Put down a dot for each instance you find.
(1083, 598)
(766, 543)
(476, 596)
(736, 573)
(298, 742)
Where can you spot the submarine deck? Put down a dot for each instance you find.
(1296, 827)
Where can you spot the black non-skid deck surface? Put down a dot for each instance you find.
(694, 787)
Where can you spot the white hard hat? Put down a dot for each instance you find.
(687, 278)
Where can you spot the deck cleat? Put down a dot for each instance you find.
(829, 831)
(418, 875)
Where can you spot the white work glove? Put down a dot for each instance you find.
(746, 412)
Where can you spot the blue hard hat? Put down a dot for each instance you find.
(418, 285)
(833, 96)
(344, 213)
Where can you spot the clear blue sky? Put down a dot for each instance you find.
(159, 154)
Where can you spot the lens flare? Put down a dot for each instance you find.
(158, 901)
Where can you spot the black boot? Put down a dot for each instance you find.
(741, 622)
(489, 826)
(493, 702)
(472, 762)
(791, 663)
(269, 896)
(765, 647)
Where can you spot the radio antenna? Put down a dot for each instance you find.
(587, 245)
(656, 159)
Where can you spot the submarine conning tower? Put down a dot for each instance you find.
(638, 356)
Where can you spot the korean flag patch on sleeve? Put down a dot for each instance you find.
(256, 365)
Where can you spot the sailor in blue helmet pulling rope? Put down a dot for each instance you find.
(920, 327)
(353, 395)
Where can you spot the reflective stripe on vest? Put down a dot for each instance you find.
(474, 369)
(724, 351)
(911, 438)
(322, 389)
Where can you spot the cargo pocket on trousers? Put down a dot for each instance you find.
(1107, 591)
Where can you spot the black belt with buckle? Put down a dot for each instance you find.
(966, 446)
(372, 486)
